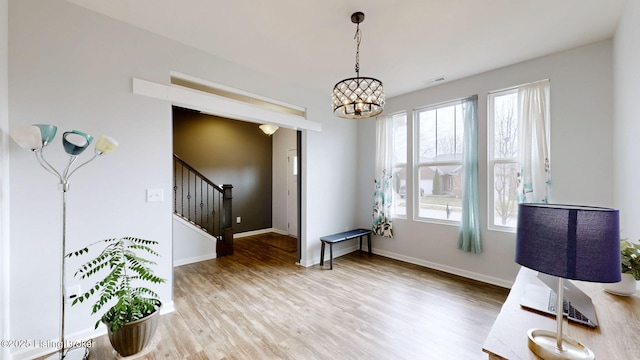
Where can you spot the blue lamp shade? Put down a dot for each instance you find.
(28, 137)
(48, 133)
(75, 142)
(570, 241)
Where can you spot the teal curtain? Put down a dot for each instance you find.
(469, 237)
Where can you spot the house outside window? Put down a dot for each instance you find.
(399, 156)
(438, 162)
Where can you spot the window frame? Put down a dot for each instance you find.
(492, 160)
(417, 164)
(400, 165)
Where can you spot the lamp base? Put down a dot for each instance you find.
(81, 353)
(544, 344)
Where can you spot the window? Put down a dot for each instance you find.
(503, 159)
(518, 151)
(438, 179)
(399, 164)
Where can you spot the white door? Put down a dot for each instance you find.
(292, 192)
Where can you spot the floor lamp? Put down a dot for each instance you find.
(569, 242)
(36, 138)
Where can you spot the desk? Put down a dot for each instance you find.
(616, 338)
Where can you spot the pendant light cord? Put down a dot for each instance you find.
(358, 38)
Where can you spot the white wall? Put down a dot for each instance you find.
(283, 140)
(191, 244)
(328, 181)
(4, 179)
(73, 68)
(627, 125)
(581, 156)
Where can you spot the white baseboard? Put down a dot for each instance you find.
(259, 232)
(281, 232)
(84, 336)
(194, 259)
(167, 308)
(445, 268)
(428, 264)
(336, 254)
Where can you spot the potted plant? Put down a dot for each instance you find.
(630, 268)
(132, 321)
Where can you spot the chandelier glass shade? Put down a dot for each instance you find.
(358, 97)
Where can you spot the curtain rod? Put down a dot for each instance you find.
(447, 102)
(517, 86)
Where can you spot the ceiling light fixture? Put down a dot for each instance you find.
(358, 97)
(269, 129)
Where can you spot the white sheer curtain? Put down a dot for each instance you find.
(535, 172)
(382, 197)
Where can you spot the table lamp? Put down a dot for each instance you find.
(569, 242)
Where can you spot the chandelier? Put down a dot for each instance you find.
(358, 97)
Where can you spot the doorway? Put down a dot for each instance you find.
(263, 170)
(203, 97)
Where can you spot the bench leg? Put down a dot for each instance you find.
(331, 256)
(322, 254)
(369, 242)
(360, 243)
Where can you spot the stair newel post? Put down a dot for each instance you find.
(225, 245)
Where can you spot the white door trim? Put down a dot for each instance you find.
(221, 106)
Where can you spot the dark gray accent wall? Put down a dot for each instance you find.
(229, 152)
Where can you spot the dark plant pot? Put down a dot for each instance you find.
(131, 338)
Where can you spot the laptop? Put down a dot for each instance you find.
(578, 306)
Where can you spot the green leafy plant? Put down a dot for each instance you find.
(630, 258)
(124, 268)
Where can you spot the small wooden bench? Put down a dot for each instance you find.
(343, 236)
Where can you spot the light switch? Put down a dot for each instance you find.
(155, 195)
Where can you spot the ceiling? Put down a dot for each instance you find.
(405, 43)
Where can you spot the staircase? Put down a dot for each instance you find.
(204, 204)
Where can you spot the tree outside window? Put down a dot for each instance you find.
(503, 158)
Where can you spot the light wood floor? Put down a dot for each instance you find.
(257, 304)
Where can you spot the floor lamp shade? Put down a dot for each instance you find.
(27, 137)
(48, 133)
(75, 142)
(106, 144)
(571, 242)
